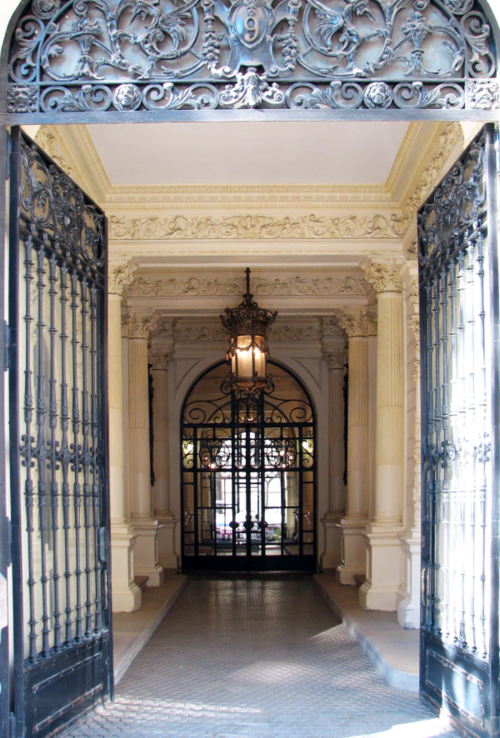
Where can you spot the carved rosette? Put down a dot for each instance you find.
(142, 327)
(119, 278)
(160, 359)
(335, 358)
(355, 322)
(384, 277)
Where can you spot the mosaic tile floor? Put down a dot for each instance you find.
(260, 658)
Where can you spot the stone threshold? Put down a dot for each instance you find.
(393, 650)
(132, 630)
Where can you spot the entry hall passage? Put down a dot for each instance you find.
(260, 658)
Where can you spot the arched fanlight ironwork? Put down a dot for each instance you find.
(248, 350)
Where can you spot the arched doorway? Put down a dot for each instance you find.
(248, 476)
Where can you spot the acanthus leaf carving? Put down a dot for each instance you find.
(237, 227)
(141, 326)
(384, 276)
(335, 358)
(355, 322)
(119, 278)
(160, 359)
(296, 285)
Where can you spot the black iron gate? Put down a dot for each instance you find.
(58, 444)
(248, 476)
(460, 338)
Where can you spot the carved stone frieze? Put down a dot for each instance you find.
(295, 332)
(331, 327)
(449, 138)
(384, 276)
(161, 359)
(213, 332)
(371, 322)
(355, 322)
(289, 227)
(335, 358)
(47, 141)
(207, 333)
(119, 278)
(290, 286)
(414, 323)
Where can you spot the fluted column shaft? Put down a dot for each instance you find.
(161, 498)
(336, 434)
(140, 466)
(357, 429)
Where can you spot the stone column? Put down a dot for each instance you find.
(335, 358)
(355, 324)
(141, 501)
(409, 606)
(161, 490)
(126, 594)
(383, 579)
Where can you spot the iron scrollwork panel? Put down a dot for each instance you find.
(125, 55)
(60, 455)
(457, 474)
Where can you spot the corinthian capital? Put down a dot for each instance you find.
(384, 276)
(120, 277)
(355, 322)
(141, 326)
(335, 358)
(161, 359)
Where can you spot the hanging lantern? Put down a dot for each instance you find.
(247, 350)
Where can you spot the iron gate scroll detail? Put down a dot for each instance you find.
(58, 444)
(248, 476)
(459, 317)
(160, 55)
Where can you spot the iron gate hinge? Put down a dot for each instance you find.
(6, 346)
(9, 152)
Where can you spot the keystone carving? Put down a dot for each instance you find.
(355, 322)
(290, 227)
(384, 277)
(119, 278)
(161, 359)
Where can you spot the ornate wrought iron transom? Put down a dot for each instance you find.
(150, 55)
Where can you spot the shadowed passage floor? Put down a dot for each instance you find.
(261, 658)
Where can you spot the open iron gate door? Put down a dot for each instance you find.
(58, 444)
(460, 332)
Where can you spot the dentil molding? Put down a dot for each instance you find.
(289, 286)
(238, 227)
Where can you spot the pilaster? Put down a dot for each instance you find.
(126, 594)
(383, 576)
(356, 323)
(335, 358)
(140, 328)
(168, 559)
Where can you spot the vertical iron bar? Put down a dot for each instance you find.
(445, 493)
(86, 460)
(64, 453)
(94, 404)
(41, 449)
(76, 449)
(53, 447)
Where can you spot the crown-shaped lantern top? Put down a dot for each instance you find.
(247, 351)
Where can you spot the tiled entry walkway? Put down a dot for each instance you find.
(259, 658)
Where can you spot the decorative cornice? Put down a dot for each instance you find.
(355, 322)
(119, 278)
(289, 286)
(238, 227)
(161, 359)
(335, 358)
(141, 326)
(384, 277)
(448, 140)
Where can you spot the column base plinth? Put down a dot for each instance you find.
(353, 550)
(409, 605)
(126, 595)
(146, 551)
(383, 574)
(167, 557)
(332, 556)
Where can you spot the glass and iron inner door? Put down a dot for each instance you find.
(248, 476)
